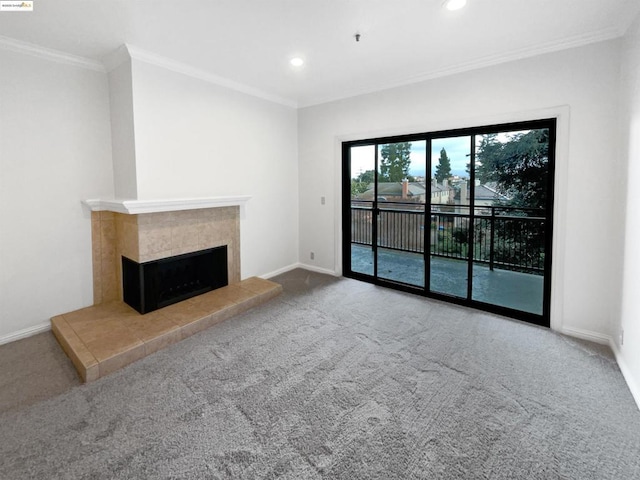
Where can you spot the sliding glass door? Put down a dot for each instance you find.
(449, 227)
(464, 215)
(399, 207)
(361, 170)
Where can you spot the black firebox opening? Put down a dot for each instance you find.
(156, 284)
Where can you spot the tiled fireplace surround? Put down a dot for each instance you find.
(110, 334)
(151, 236)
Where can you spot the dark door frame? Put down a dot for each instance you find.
(549, 123)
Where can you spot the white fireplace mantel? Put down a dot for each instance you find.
(133, 207)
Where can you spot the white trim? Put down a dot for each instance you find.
(26, 332)
(560, 112)
(607, 340)
(116, 58)
(589, 335)
(634, 388)
(337, 209)
(280, 271)
(313, 268)
(178, 67)
(476, 64)
(50, 54)
(560, 202)
(303, 266)
(133, 207)
(112, 60)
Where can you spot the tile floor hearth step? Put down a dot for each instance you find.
(106, 337)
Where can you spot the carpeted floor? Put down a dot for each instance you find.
(335, 379)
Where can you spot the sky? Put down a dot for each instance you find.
(363, 158)
(458, 150)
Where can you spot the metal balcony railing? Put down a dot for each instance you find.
(505, 237)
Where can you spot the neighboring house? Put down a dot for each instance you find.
(485, 195)
(405, 191)
(410, 192)
(441, 193)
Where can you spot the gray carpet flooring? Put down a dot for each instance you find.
(335, 379)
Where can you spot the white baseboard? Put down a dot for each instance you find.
(293, 266)
(312, 268)
(608, 340)
(280, 271)
(27, 332)
(595, 337)
(626, 373)
(45, 326)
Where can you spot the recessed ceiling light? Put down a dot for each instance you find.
(454, 4)
(297, 62)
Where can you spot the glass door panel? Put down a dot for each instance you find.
(400, 208)
(510, 223)
(362, 178)
(450, 214)
(464, 214)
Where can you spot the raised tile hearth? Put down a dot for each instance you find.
(106, 337)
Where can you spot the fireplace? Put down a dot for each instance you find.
(183, 248)
(159, 283)
(146, 237)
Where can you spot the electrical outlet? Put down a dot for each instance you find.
(621, 336)
(322, 200)
(312, 255)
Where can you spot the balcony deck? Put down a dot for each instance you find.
(520, 291)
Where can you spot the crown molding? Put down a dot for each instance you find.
(126, 52)
(50, 54)
(116, 58)
(134, 207)
(483, 62)
(631, 19)
(178, 67)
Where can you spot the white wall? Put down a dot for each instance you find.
(629, 352)
(122, 131)
(55, 150)
(585, 81)
(194, 139)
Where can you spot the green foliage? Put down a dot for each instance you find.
(395, 162)
(362, 182)
(520, 242)
(443, 169)
(460, 235)
(519, 166)
(367, 177)
(358, 187)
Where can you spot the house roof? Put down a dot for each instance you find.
(486, 192)
(394, 189)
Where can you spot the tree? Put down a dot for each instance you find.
(443, 169)
(358, 187)
(367, 177)
(362, 182)
(518, 166)
(395, 162)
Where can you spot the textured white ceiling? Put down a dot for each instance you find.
(250, 41)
